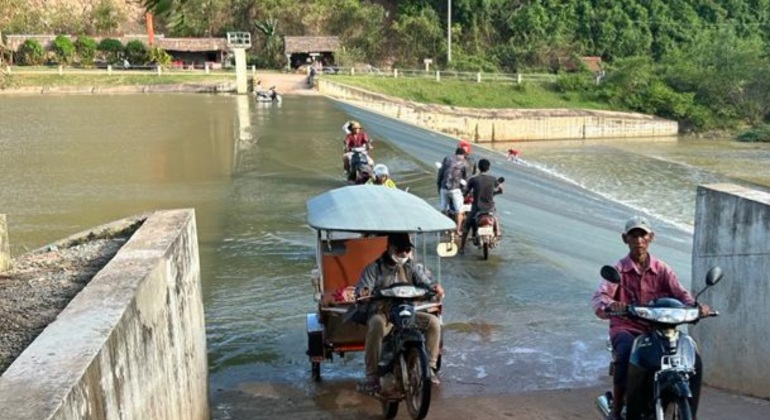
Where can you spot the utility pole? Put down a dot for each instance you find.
(449, 31)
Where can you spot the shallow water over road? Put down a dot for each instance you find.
(517, 322)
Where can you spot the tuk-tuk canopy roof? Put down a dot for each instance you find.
(374, 208)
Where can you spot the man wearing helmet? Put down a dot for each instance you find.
(356, 138)
(381, 176)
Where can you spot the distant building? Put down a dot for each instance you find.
(303, 50)
(592, 63)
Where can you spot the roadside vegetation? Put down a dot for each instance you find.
(475, 95)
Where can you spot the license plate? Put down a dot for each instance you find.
(486, 230)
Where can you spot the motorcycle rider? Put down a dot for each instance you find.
(451, 177)
(643, 278)
(483, 187)
(356, 138)
(395, 266)
(470, 161)
(381, 176)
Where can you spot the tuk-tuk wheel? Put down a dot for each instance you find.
(315, 368)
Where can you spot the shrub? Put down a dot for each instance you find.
(574, 82)
(159, 56)
(112, 49)
(30, 53)
(756, 134)
(136, 52)
(86, 49)
(64, 49)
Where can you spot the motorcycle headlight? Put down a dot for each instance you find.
(667, 315)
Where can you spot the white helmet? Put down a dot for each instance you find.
(381, 170)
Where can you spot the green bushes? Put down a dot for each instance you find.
(136, 52)
(757, 134)
(85, 47)
(112, 49)
(64, 49)
(31, 53)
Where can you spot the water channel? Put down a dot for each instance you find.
(70, 163)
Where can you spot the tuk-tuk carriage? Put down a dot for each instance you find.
(352, 225)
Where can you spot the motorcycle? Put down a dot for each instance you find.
(486, 236)
(360, 169)
(404, 365)
(672, 353)
(270, 95)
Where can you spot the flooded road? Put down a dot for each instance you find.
(520, 321)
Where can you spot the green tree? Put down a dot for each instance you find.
(85, 47)
(418, 37)
(271, 43)
(106, 17)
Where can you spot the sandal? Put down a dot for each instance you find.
(434, 379)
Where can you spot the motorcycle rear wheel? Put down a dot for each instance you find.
(417, 384)
(389, 409)
(486, 251)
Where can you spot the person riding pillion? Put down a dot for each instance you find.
(643, 278)
(451, 178)
(356, 138)
(395, 265)
(381, 176)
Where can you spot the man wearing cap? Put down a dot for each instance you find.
(395, 266)
(643, 278)
(452, 176)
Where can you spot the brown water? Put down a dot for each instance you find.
(70, 163)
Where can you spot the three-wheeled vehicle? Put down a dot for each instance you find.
(352, 225)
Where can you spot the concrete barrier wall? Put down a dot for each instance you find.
(5, 247)
(732, 230)
(506, 125)
(131, 345)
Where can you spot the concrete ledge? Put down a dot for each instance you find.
(131, 345)
(732, 225)
(490, 125)
(222, 87)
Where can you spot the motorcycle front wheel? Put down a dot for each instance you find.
(417, 384)
(678, 409)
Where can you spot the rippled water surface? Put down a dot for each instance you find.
(69, 163)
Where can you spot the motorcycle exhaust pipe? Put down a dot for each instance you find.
(603, 404)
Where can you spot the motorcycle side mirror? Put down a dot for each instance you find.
(610, 274)
(500, 180)
(713, 277)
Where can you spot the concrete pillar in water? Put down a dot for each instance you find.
(5, 248)
(240, 70)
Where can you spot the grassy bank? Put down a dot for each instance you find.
(116, 79)
(531, 95)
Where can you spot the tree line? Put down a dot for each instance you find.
(701, 62)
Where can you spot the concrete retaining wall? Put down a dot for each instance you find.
(507, 125)
(5, 248)
(732, 230)
(131, 345)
